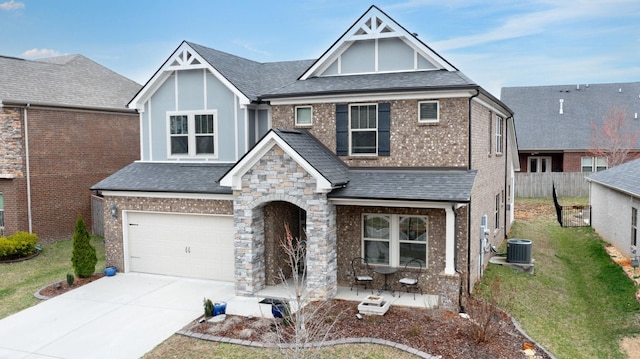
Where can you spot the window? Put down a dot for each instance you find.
(497, 212)
(428, 111)
(499, 124)
(363, 129)
(539, 164)
(192, 134)
(490, 133)
(1, 211)
(634, 226)
(593, 164)
(394, 239)
(304, 115)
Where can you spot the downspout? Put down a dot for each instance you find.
(506, 175)
(28, 169)
(470, 204)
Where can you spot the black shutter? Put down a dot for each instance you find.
(342, 130)
(384, 129)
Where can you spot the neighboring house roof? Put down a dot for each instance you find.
(167, 177)
(540, 125)
(623, 178)
(407, 184)
(68, 81)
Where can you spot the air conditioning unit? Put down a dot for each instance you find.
(519, 251)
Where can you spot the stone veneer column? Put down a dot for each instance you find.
(277, 177)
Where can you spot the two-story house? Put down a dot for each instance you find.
(64, 125)
(380, 148)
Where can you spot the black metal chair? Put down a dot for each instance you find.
(362, 274)
(410, 276)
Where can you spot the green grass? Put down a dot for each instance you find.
(19, 281)
(578, 304)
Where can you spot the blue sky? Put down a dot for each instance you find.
(496, 43)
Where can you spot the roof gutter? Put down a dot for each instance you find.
(57, 106)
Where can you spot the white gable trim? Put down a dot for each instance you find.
(183, 58)
(375, 24)
(233, 178)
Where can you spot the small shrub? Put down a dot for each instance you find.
(18, 245)
(208, 308)
(84, 257)
(70, 279)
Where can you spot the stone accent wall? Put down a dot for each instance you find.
(11, 143)
(277, 177)
(413, 144)
(113, 231)
(432, 280)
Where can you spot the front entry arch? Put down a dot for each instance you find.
(277, 214)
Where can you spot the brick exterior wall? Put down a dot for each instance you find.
(69, 151)
(490, 181)
(413, 144)
(113, 231)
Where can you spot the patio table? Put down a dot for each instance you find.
(386, 271)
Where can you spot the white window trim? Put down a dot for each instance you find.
(363, 130)
(635, 222)
(540, 159)
(192, 134)
(437, 119)
(394, 238)
(296, 116)
(499, 125)
(594, 163)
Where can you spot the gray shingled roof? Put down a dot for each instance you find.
(167, 177)
(250, 77)
(318, 156)
(399, 81)
(413, 185)
(71, 80)
(540, 126)
(624, 177)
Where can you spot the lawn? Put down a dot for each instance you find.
(578, 304)
(20, 280)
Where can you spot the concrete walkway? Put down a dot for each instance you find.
(124, 316)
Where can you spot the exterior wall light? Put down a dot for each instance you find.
(114, 211)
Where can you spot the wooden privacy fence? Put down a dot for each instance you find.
(568, 184)
(97, 215)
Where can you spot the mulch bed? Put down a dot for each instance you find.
(433, 332)
(61, 287)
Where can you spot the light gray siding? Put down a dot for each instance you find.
(394, 55)
(359, 58)
(611, 216)
(190, 90)
(163, 100)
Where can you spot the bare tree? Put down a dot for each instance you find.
(306, 323)
(616, 139)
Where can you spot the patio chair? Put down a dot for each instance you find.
(361, 274)
(410, 277)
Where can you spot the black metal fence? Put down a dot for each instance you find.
(571, 216)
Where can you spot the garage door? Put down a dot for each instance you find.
(185, 245)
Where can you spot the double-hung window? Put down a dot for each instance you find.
(593, 164)
(499, 124)
(634, 226)
(363, 129)
(192, 134)
(428, 112)
(394, 240)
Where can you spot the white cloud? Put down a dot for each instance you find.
(247, 46)
(11, 5)
(36, 53)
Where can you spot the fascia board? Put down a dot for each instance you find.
(166, 69)
(363, 97)
(181, 195)
(394, 203)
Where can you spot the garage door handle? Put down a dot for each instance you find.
(187, 249)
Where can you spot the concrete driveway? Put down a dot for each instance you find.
(124, 316)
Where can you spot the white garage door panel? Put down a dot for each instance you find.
(186, 245)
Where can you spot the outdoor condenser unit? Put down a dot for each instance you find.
(519, 251)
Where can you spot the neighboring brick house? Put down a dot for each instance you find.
(380, 148)
(554, 123)
(614, 196)
(64, 125)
